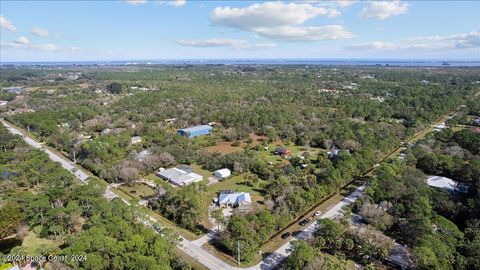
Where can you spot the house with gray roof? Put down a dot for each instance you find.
(234, 199)
(179, 177)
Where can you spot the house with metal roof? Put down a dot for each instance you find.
(192, 132)
(179, 177)
(222, 173)
(446, 184)
(234, 199)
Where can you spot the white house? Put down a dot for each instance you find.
(440, 127)
(234, 199)
(222, 173)
(179, 177)
(3, 103)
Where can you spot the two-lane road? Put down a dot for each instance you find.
(273, 260)
(66, 164)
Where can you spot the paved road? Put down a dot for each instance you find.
(284, 251)
(66, 164)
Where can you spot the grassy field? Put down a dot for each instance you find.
(223, 147)
(198, 170)
(159, 181)
(236, 183)
(31, 242)
(189, 260)
(138, 191)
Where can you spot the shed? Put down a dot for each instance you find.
(192, 132)
(136, 139)
(222, 173)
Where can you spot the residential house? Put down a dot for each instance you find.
(179, 177)
(229, 198)
(446, 184)
(15, 90)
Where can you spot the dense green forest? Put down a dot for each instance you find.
(39, 197)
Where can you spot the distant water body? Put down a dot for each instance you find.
(306, 62)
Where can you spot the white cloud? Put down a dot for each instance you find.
(7, 24)
(136, 2)
(22, 41)
(268, 14)
(226, 42)
(343, 3)
(308, 33)
(40, 32)
(338, 3)
(458, 41)
(282, 21)
(177, 3)
(174, 3)
(383, 9)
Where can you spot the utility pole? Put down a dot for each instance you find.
(238, 252)
(28, 128)
(74, 158)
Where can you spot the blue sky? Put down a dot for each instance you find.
(142, 29)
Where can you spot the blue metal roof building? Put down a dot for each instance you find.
(195, 131)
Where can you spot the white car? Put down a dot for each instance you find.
(318, 213)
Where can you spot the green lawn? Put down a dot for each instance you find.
(295, 150)
(198, 170)
(138, 191)
(31, 242)
(235, 183)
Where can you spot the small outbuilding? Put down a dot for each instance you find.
(192, 132)
(136, 139)
(222, 173)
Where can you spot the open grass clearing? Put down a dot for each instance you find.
(138, 190)
(32, 242)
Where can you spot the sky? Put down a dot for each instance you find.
(193, 29)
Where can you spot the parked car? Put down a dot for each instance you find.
(304, 222)
(286, 235)
(318, 213)
(157, 228)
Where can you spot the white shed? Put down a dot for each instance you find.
(222, 173)
(136, 139)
